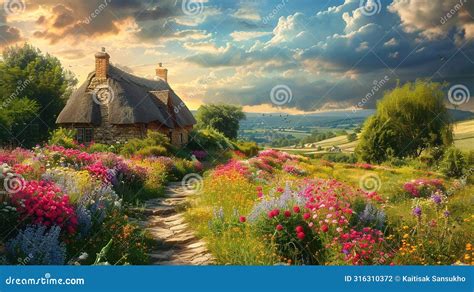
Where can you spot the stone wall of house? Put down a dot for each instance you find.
(112, 134)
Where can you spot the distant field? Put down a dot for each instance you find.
(464, 135)
(463, 139)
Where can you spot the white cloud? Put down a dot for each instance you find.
(246, 35)
(391, 43)
(247, 13)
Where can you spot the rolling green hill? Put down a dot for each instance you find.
(463, 139)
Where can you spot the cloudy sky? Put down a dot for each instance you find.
(301, 55)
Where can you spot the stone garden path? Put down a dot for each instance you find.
(176, 244)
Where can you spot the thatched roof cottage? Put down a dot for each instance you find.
(113, 105)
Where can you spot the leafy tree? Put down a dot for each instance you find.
(223, 118)
(352, 137)
(28, 76)
(408, 120)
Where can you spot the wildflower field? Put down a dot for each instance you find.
(278, 208)
(74, 206)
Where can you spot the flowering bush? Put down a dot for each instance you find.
(364, 247)
(293, 169)
(423, 187)
(282, 221)
(101, 172)
(41, 202)
(72, 182)
(199, 154)
(233, 166)
(37, 245)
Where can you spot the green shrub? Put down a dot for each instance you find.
(209, 140)
(182, 167)
(63, 137)
(152, 151)
(339, 157)
(248, 148)
(153, 139)
(97, 147)
(453, 163)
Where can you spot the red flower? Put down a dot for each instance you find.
(242, 219)
(296, 209)
(301, 235)
(279, 227)
(306, 216)
(287, 214)
(299, 229)
(324, 228)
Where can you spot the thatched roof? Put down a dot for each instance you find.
(133, 102)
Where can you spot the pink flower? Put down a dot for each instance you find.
(296, 209)
(279, 227)
(242, 219)
(287, 214)
(306, 216)
(299, 229)
(324, 228)
(301, 235)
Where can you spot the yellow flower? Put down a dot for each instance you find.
(406, 235)
(405, 227)
(468, 246)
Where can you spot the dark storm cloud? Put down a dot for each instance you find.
(93, 18)
(8, 34)
(343, 40)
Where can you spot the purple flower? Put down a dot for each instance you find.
(437, 199)
(417, 211)
(446, 213)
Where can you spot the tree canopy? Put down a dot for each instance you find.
(33, 90)
(408, 119)
(223, 118)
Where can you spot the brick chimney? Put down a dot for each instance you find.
(162, 72)
(101, 64)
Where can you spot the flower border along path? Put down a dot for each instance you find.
(176, 244)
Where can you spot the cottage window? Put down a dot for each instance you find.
(170, 136)
(182, 138)
(84, 135)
